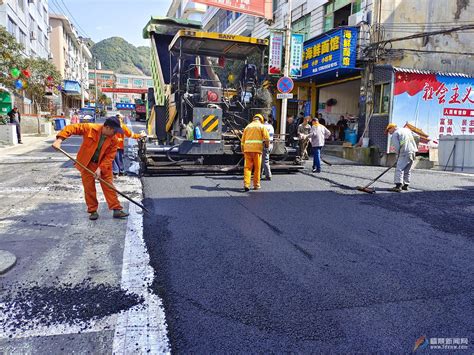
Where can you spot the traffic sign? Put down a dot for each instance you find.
(284, 96)
(285, 85)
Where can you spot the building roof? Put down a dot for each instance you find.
(430, 72)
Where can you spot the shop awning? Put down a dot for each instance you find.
(71, 87)
(331, 56)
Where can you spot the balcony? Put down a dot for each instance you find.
(242, 26)
(210, 13)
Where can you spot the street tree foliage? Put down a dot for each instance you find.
(40, 70)
(10, 57)
(44, 76)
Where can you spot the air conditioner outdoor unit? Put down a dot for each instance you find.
(357, 18)
(32, 35)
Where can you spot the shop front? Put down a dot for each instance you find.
(5, 102)
(329, 69)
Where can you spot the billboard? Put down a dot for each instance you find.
(433, 105)
(261, 8)
(331, 51)
(276, 52)
(296, 56)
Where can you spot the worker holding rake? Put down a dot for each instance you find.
(96, 153)
(404, 144)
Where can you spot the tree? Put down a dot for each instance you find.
(10, 57)
(44, 75)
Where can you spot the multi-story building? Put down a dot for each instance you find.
(186, 9)
(136, 83)
(105, 78)
(28, 22)
(71, 56)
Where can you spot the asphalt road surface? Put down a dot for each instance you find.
(308, 264)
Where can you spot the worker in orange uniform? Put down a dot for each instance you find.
(254, 138)
(97, 153)
(118, 165)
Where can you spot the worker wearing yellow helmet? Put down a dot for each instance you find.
(254, 138)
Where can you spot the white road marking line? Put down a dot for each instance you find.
(145, 324)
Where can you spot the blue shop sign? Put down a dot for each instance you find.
(334, 50)
(125, 106)
(71, 87)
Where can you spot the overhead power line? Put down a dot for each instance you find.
(72, 16)
(61, 10)
(425, 34)
(434, 52)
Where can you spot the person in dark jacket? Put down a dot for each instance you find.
(15, 118)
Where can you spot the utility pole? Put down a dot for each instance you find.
(81, 69)
(97, 64)
(286, 69)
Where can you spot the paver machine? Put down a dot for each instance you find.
(195, 116)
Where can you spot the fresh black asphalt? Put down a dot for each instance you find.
(308, 265)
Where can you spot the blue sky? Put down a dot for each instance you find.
(101, 19)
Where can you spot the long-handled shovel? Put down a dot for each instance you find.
(102, 180)
(371, 190)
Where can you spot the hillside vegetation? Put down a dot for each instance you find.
(118, 55)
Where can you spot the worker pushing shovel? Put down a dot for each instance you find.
(94, 161)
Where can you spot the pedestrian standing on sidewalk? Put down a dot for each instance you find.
(254, 138)
(118, 167)
(303, 137)
(97, 153)
(403, 140)
(317, 136)
(266, 151)
(15, 118)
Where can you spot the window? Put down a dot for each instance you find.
(12, 27)
(137, 83)
(382, 98)
(149, 83)
(302, 25)
(105, 76)
(40, 35)
(22, 38)
(337, 12)
(123, 81)
(21, 5)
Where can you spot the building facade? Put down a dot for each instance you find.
(126, 81)
(186, 9)
(71, 56)
(28, 22)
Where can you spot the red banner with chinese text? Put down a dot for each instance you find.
(433, 105)
(261, 8)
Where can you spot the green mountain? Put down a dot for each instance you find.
(118, 55)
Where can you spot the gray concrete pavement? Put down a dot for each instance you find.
(310, 265)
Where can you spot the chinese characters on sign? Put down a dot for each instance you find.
(296, 57)
(276, 50)
(331, 51)
(262, 8)
(435, 104)
(449, 343)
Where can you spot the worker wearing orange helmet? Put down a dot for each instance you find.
(118, 165)
(97, 153)
(254, 138)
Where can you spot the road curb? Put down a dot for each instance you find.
(7, 261)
